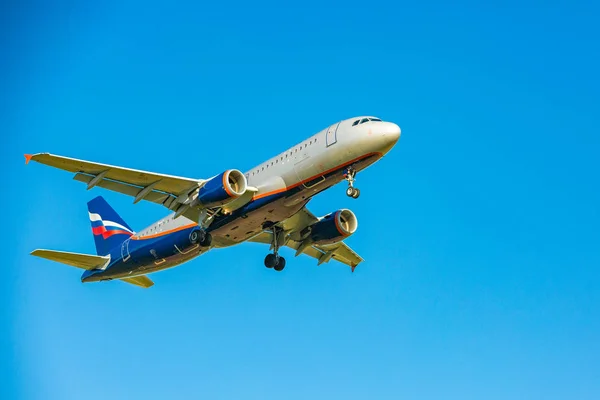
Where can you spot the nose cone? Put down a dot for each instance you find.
(390, 133)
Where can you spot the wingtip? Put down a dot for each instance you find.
(28, 158)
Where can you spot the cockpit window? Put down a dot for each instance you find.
(375, 119)
(356, 122)
(362, 121)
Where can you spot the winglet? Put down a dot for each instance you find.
(352, 268)
(28, 158)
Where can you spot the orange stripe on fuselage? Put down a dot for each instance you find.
(260, 196)
(164, 233)
(265, 195)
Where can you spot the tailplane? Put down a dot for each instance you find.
(83, 261)
(109, 229)
(89, 263)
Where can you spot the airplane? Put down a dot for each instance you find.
(267, 204)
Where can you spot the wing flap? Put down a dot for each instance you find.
(141, 281)
(343, 253)
(83, 261)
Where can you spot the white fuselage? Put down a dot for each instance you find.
(287, 181)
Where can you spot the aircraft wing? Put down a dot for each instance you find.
(143, 185)
(322, 252)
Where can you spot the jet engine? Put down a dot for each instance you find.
(334, 227)
(222, 189)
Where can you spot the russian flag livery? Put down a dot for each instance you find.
(109, 229)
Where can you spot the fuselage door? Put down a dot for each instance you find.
(125, 250)
(332, 134)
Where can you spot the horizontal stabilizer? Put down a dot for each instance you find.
(84, 261)
(141, 281)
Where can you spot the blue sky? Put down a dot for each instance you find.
(480, 229)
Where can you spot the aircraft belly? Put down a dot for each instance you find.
(145, 266)
(243, 228)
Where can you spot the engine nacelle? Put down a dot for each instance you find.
(334, 227)
(222, 189)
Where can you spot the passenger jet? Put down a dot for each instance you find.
(267, 204)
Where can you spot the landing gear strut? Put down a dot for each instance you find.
(274, 260)
(201, 236)
(350, 176)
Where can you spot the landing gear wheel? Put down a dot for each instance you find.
(270, 260)
(353, 192)
(206, 241)
(280, 264)
(195, 237)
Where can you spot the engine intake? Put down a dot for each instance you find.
(334, 227)
(222, 189)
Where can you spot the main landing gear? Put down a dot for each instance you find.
(274, 260)
(350, 176)
(201, 237)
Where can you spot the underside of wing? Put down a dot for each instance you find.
(179, 194)
(142, 185)
(322, 253)
(294, 235)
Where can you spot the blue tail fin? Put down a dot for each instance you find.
(108, 228)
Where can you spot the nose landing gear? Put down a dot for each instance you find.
(350, 176)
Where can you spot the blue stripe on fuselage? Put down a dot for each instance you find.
(141, 252)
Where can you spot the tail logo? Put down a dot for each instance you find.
(107, 228)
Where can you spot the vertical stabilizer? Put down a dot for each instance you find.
(108, 227)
